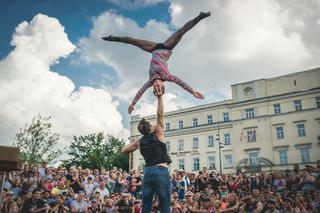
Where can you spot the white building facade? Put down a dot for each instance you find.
(267, 124)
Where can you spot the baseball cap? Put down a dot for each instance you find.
(288, 199)
(272, 201)
(9, 193)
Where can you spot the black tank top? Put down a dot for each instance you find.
(153, 150)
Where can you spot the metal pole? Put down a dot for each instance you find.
(219, 148)
(2, 184)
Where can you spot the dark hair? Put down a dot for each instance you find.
(144, 127)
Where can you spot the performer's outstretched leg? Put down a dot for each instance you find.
(173, 40)
(142, 44)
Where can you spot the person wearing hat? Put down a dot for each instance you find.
(88, 186)
(271, 204)
(9, 205)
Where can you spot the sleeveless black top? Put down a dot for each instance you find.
(153, 150)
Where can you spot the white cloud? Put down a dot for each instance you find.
(135, 4)
(172, 102)
(242, 41)
(29, 87)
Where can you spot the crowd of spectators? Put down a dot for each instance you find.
(49, 189)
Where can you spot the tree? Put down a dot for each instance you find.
(37, 141)
(97, 151)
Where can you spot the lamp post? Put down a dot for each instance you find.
(220, 146)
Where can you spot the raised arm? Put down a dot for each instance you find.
(184, 85)
(133, 146)
(160, 124)
(139, 95)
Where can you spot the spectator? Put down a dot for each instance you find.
(9, 205)
(76, 183)
(103, 191)
(88, 186)
(221, 192)
(79, 204)
(36, 204)
(123, 205)
(59, 206)
(271, 205)
(42, 169)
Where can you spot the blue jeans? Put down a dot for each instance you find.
(156, 180)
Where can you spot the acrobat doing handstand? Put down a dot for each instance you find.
(161, 52)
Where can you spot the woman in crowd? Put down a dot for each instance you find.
(220, 197)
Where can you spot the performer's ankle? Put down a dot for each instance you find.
(201, 16)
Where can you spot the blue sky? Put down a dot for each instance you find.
(61, 68)
(76, 16)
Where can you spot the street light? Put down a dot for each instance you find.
(220, 146)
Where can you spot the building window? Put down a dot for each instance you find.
(301, 130)
(318, 102)
(253, 159)
(249, 113)
(210, 141)
(251, 135)
(167, 126)
(318, 139)
(195, 122)
(211, 162)
(180, 145)
(168, 146)
(195, 143)
(180, 124)
(227, 161)
(209, 118)
(280, 133)
(305, 155)
(227, 139)
(181, 164)
(297, 105)
(283, 156)
(277, 109)
(196, 164)
(225, 116)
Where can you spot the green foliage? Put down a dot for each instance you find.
(97, 151)
(37, 141)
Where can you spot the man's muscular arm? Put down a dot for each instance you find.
(160, 123)
(133, 146)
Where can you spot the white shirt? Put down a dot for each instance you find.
(88, 188)
(103, 192)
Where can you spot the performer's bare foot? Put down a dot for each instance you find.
(204, 14)
(111, 38)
